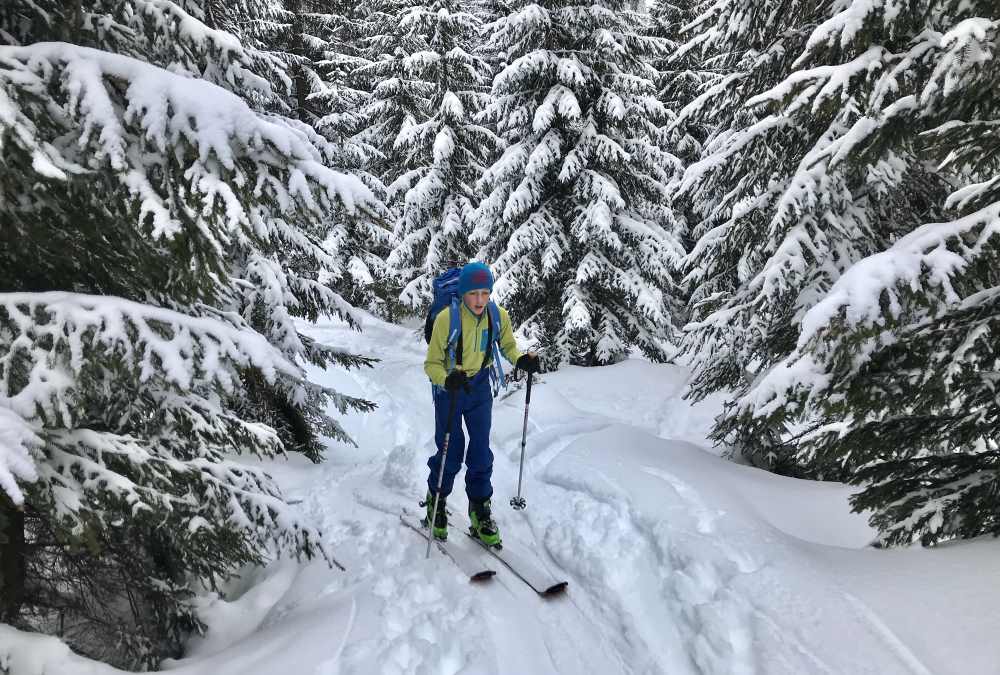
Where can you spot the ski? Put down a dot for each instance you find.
(466, 561)
(523, 567)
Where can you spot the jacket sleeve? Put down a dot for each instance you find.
(508, 345)
(435, 365)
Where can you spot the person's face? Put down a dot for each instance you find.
(476, 300)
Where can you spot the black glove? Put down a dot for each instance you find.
(457, 379)
(529, 364)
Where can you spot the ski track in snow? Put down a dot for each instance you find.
(557, 627)
(702, 617)
(692, 625)
(894, 643)
(425, 629)
(665, 578)
(703, 620)
(610, 546)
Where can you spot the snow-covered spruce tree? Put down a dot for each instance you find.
(488, 13)
(303, 42)
(129, 195)
(787, 197)
(892, 381)
(303, 39)
(372, 98)
(576, 219)
(343, 96)
(169, 34)
(681, 75)
(399, 100)
(447, 152)
(363, 276)
(298, 34)
(309, 36)
(301, 270)
(172, 34)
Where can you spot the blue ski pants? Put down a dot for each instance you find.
(476, 408)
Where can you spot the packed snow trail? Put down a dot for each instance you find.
(678, 562)
(670, 571)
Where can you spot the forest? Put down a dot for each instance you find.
(796, 199)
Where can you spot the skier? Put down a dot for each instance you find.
(469, 381)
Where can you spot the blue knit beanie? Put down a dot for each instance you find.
(474, 276)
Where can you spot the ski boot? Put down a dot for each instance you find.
(440, 528)
(483, 527)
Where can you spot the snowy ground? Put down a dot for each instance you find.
(678, 561)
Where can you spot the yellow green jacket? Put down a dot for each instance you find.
(474, 334)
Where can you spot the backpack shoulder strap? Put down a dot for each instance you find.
(454, 335)
(494, 318)
(491, 336)
(493, 346)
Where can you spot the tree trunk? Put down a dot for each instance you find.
(74, 26)
(210, 16)
(299, 70)
(12, 565)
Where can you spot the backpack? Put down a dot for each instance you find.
(446, 295)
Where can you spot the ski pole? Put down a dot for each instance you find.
(518, 502)
(452, 398)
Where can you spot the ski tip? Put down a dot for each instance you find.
(485, 575)
(556, 589)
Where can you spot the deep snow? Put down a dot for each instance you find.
(679, 561)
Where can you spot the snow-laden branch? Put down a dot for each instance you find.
(60, 344)
(53, 336)
(113, 105)
(17, 440)
(873, 294)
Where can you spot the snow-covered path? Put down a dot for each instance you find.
(678, 561)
